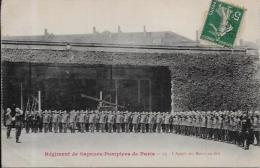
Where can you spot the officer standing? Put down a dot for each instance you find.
(28, 121)
(64, 121)
(9, 122)
(92, 120)
(210, 125)
(46, 121)
(86, 121)
(50, 123)
(40, 121)
(72, 121)
(136, 121)
(143, 122)
(158, 122)
(81, 121)
(256, 126)
(110, 121)
(151, 121)
(102, 121)
(18, 123)
(167, 122)
(246, 129)
(60, 123)
(55, 121)
(119, 120)
(127, 120)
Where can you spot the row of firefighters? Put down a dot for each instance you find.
(241, 128)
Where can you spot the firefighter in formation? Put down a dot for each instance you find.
(240, 128)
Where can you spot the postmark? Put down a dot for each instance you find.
(222, 23)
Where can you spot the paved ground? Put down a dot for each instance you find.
(139, 150)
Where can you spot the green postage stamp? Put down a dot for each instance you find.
(222, 23)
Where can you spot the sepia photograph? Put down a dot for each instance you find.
(130, 83)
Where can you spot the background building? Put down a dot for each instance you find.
(143, 71)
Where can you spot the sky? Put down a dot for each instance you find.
(184, 17)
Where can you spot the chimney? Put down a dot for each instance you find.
(144, 29)
(119, 29)
(94, 30)
(46, 32)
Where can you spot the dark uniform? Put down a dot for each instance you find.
(246, 127)
(28, 121)
(18, 123)
(36, 121)
(50, 121)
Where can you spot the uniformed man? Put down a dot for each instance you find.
(60, 123)
(226, 119)
(81, 121)
(28, 121)
(50, 112)
(64, 121)
(103, 121)
(151, 122)
(203, 125)
(119, 121)
(46, 121)
(9, 122)
(40, 121)
(232, 126)
(214, 126)
(86, 121)
(35, 121)
(167, 118)
(221, 131)
(97, 125)
(210, 125)
(56, 121)
(143, 122)
(110, 121)
(178, 129)
(256, 126)
(158, 122)
(136, 121)
(174, 122)
(72, 121)
(18, 123)
(92, 121)
(127, 121)
(245, 131)
(238, 129)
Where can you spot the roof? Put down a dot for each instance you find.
(106, 37)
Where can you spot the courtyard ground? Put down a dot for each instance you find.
(103, 149)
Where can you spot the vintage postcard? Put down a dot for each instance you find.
(130, 83)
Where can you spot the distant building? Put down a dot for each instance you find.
(106, 37)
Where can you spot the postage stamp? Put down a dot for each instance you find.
(222, 23)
